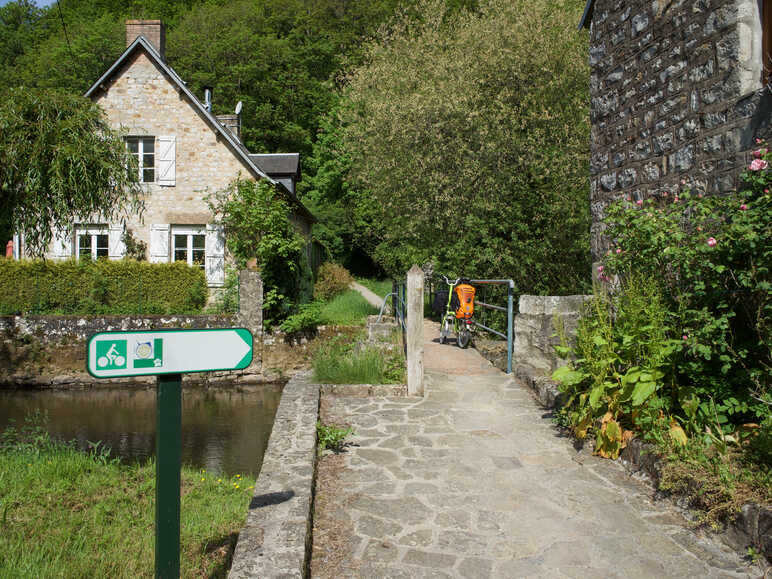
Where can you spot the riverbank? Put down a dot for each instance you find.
(68, 513)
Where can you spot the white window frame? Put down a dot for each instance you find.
(189, 231)
(93, 231)
(140, 156)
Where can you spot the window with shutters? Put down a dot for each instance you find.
(92, 242)
(189, 245)
(143, 150)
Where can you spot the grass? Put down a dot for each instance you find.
(67, 513)
(346, 309)
(341, 362)
(380, 287)
(717, 484)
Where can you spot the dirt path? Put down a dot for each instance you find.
(475, 481)
(371, 297)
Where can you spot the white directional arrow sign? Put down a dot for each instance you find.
(123, 354)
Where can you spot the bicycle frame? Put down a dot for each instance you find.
(462, 327)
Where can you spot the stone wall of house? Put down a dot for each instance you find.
(143, 102)
(676, 95)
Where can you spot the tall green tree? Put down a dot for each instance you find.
(471, 132)
(59, 161)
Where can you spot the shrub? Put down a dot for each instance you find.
(256, 221)
(331, 280)
(100, 287)
(694, 357)
(623, 377)
(712, 255)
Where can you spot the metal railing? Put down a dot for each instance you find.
(510, 310)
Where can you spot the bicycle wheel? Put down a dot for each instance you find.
(445, 331)
(464, 336)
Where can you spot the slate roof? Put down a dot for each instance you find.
(140, 43)
(587, 16)
(278, 163)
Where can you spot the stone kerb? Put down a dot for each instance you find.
(276, 538)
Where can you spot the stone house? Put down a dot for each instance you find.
(184, 152)
(679, 93)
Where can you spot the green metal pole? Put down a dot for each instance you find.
(510, 323)
(167, 472)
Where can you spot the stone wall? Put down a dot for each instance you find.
(143, 102)
(536, 333)
(676, 94)
(276, 538)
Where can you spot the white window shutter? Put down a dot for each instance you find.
(116, 246)
(63, 248)
(215, 255)
(167, 160)
(159, 243)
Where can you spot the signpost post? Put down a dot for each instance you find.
(167, 354)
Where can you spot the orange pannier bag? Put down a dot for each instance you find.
(465, 293)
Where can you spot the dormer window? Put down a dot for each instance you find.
(143, 149)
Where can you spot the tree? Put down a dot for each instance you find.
(255, 218)
(471, 131)
(60, 162)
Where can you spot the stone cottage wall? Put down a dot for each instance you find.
(676, 94)
(142, 101)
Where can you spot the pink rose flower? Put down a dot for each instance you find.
(685, 337)
(743, 207)
(766, 190)
(758, 165)
(758, 141)
(757, 154)
(600, 269)
(619, 250)
(699, 195)
(639, 202)
(664, 193)
(675, 200)
(712, 241)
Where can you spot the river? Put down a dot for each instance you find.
(225, 429)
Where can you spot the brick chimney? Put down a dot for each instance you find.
(153, 31)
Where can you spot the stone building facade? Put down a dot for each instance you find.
(678, 95)
(184, 153)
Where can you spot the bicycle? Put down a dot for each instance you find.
(458, 312)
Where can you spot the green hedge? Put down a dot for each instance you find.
(100, 287)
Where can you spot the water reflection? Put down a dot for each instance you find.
(224, 429)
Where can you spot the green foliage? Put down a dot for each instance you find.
(256, 221)
(331, 437)
(622, 379)
(59, 160)
(227, 299)
(331, 280)
(100, 287)
(135, 249)
(345, 363)
(346, 309)
(713, 256)
(465, 139)
(307, 318)
(57, 503)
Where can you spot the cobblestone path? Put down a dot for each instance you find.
(474, 481)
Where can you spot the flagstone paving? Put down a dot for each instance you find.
(475, 481)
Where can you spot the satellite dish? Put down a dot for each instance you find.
(238, 108)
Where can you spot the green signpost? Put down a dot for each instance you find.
(167, 354)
